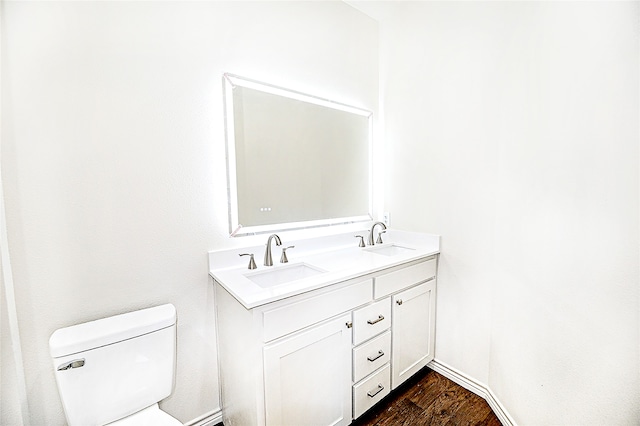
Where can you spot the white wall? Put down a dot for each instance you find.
(10, 414)
(113, 158)
(513, 132)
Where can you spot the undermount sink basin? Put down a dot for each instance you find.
(389, 250)
(283, 274)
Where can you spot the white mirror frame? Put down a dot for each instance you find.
(237, 229)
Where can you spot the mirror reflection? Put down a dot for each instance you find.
(294, 160)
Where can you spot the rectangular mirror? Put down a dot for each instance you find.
(294, 160)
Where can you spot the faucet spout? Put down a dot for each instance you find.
(370, 239)
(268, 260)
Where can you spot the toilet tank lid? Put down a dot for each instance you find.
(105, 331)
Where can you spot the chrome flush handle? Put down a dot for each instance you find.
(76, 363)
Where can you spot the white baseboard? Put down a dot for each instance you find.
(211, 418)
(476, 387)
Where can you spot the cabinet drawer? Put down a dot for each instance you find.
(295, 316)
(405, 277)
(371, 320)
(370, 356)
(371, 390)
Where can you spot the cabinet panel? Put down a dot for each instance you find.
(371, 320)
(307, 376)
(370, 356)
(413, 332)
(295, 316)
(405, 277)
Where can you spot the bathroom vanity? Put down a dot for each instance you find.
(323, 338)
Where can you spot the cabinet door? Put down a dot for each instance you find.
(307, 376)
(413, 330)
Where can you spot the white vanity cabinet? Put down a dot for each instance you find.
(326, 356)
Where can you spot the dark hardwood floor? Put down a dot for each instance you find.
(431, 399)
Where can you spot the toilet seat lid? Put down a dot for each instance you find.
(150, 416)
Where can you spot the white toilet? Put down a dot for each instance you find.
(115, 370)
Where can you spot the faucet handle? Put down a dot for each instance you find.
(252, 263)
(361, 244)
(283, 258)
(379, 240)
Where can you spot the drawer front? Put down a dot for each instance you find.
(405, 277)
(295, 316)
(370, 356)
(371, 390)
(371, 320)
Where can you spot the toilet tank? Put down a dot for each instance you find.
(113, 367)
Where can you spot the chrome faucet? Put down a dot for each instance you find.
(268, 261)
(384, 227)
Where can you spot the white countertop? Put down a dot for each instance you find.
(338, 255)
